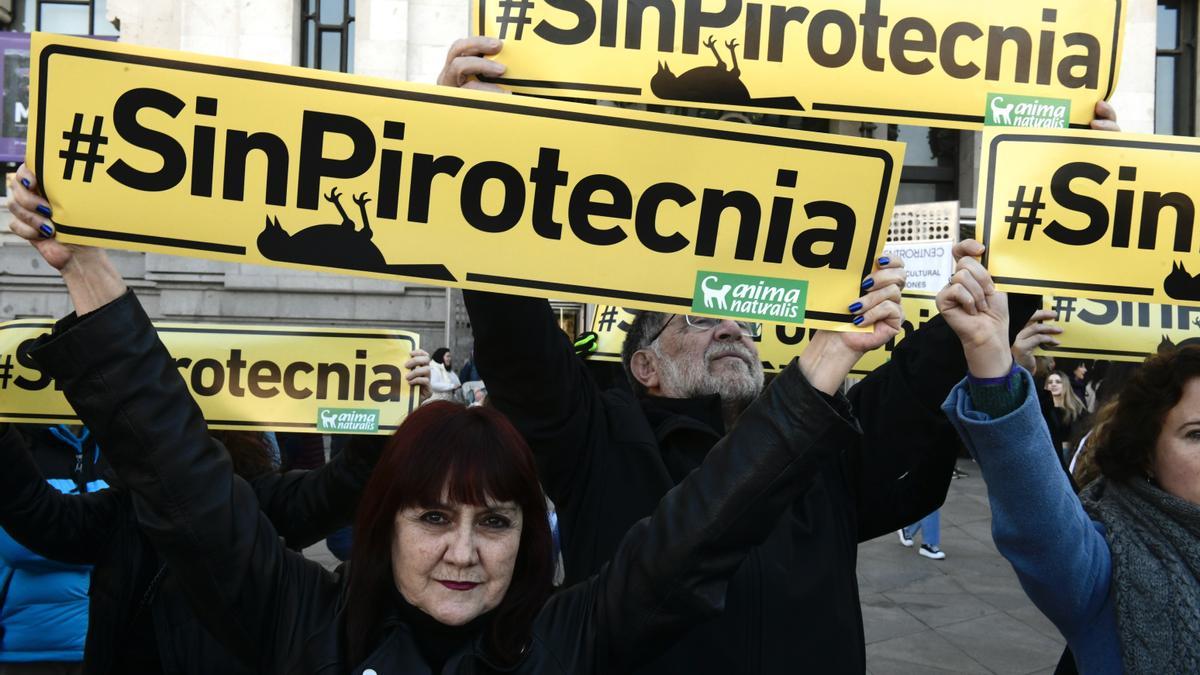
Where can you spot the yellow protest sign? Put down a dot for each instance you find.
(777, 346)
(256, 378)
(1091, 213)
(926, 62)
(193, 155)
(1119, 330)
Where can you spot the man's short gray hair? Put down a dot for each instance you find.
(641, 332)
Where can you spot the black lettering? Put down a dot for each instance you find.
(390, 384)
(235, 365)
(546, 179)
(753, 36)
(263, 373)
(585, 23)
(696, 19)
(1185, 217)
(1060, 189)
(924, 43)
(583, 206)
(781, 218)
(847, 41)
(636, 10)
(238, 146)
(840, 237)
(327, 370)
(289, 380)
(608, 23)
(26, 360)
(204, 140)
(390, 171)
(871, 21)
(425, 169)
(997, 38)
(174, 158)
(360, 375)
(1123, 216)
(1045, 66)
(712, 206)
(314, 165)
(1088, 61)
(949, 50)
(646, 219)
(218, 377)
(471, 197)
(777, 31)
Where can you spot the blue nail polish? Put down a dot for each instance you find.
(868, 282)
(25, 182)
(858, 320)
(44, 210)
(855, 307)
(46, 230)
(884, 261)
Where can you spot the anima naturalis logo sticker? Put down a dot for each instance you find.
(348, 420)
(1006, 110)
(746, 297)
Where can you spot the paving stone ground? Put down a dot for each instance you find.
(964, 614)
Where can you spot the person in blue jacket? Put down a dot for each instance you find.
(1116, 569)
(44, 603)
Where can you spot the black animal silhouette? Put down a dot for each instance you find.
(718, 84)
(1180, 285)
(341, 245)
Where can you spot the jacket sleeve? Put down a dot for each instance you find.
(534, 377)
(253, 595)
(72, 529)
(1038, 524)
(306, 506)
(15, 555)
(672, 569)
(902, 467)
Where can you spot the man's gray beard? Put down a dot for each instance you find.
(684, 377)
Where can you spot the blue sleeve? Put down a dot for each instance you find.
(1038, 523)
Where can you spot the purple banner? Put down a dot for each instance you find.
(14, 114)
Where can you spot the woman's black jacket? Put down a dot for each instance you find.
(258, 597)
(128, 579)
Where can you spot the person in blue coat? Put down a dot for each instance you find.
(44, 603)
(1116, 569)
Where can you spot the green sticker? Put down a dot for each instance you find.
(745, 297)
(348, 420)
(1007, 110)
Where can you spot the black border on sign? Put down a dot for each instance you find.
(829, 107)
(494, 104)
(989, 197)
(413, 393)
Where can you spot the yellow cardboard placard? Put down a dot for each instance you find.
(256, 378)
(193, 155)
(926, 62)
(1119, 330)
(777, 346)
(1091, 213)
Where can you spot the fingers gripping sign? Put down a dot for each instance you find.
(31, 218)
(879, 307)
(419, 372)
(977, 313)
(467, 61)
(1036, 334)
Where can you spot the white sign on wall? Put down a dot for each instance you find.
(929, 264)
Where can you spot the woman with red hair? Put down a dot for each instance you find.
(452, 562)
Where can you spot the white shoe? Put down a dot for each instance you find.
(932, 552)
(903, 539)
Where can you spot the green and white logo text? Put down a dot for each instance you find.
(1006, 110)
(746, 297)
(348, 420)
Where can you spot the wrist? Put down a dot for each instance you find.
(989, 358)
(91, 280)
(826, 362)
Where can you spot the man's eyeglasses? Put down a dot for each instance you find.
(748, 329)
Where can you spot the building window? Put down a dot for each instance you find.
(930, 164)
(71, 17)
(1175, 68)
(327, 34)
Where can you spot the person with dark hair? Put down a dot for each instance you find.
(452, 565)
(138, 620)
(607, 456)
(443, 383)
(1117, 570)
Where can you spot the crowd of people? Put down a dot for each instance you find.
(708, 521)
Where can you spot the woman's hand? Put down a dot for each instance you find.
(1035, 334)
(91, 279)
(1106, 117)
(417, 366)
(977, 312)
(466, 63)
(827, 360)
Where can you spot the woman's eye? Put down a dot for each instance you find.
(496, 522)
(434, 518)
(1193, 435)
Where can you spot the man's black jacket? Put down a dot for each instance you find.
(606, 458)
(128, 579)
